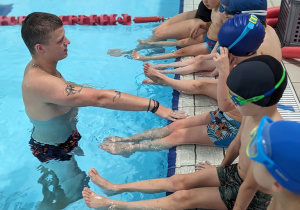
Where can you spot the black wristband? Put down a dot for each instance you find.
(155, 108)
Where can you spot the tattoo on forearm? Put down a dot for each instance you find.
(118, 94)
(72, 88)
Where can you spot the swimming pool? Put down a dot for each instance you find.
(87, 63)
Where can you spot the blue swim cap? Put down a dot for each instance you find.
(232, 29)
(281, 143)
(256, 7)
(225, 2)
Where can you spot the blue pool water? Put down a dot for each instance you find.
(87, 63)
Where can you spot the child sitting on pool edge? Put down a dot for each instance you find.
(275, 151)
(226, 186)
(215, 128)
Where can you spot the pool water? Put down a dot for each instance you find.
(87, 63)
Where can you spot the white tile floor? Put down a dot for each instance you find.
(188, 156)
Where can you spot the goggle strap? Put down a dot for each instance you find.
(277, 85)
(250, 26)
(256, 12)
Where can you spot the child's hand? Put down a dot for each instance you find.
(194, 32)
(224, 62)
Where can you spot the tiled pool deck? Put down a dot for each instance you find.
(188, 156)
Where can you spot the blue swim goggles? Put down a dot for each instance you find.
(254, 12)
(259, 149)
(252, 22)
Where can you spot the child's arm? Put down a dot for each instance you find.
(223, 64)
(203, 25)
(233, 149)
(246, 191)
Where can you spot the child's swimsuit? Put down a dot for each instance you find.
(55, 138)
(230, 183)
(203, 13)
(209, 44)
(222, 129)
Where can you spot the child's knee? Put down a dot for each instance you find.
(177, 182)
(182, 197)
(159, 32)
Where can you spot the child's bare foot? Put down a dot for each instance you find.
(149, 82)
(114, 139)
(154, 75)
(142, 41)
(137, 56)
(114, 52)
(119, 148)
(203, 165)
(108, 187)
(94, 200)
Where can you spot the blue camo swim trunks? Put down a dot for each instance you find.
(222, 129)
(209, 44)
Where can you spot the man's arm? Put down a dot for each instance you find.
(246, 191)
(57, 91)
(233, 149)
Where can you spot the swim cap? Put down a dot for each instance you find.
(281, 144)
(231, 30)
(256, 7)
(225, 2)
(255, 76)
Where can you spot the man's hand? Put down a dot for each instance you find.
(169, 114)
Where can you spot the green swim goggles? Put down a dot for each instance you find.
(238, 101)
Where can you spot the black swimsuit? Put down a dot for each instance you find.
(46, 152)
(203, 13)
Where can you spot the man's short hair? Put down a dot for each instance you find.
(36, 28)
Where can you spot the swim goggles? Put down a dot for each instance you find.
(254, 12)
(252, 22)
(238, 101)
(259, 149)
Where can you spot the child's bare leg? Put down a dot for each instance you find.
(208, 198)
(198, 189)
(180, 43)
(191, 135)
(177, 27)
(204, 178)
(185, 62)
(175, 64)
(137, 56)
(147, 134)
(204, 87)
(195, 49)
(156, 133)
(197, 66)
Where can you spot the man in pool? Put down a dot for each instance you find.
(51, 102)
(215, 128)
(274, 148)
(229, 186)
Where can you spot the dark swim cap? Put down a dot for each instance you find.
(231, 30)
(255, 76)
(256, 7)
